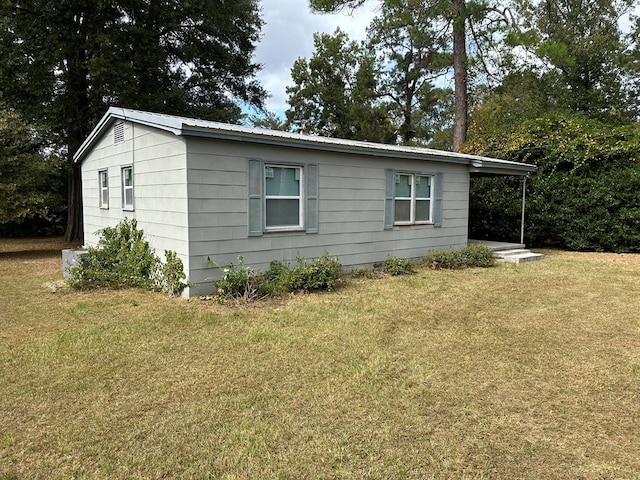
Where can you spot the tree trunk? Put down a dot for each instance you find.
(75, 227)
(459, 75)
(78, 126)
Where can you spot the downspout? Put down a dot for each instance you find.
(524, 197)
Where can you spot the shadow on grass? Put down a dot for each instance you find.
(34, 244)
(30, 255)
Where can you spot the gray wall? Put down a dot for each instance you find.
(160, 191)
(351, 209)
(191, 196)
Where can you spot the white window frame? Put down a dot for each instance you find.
(299, 197)
(125, 188)
(413, 199)
(103, 187)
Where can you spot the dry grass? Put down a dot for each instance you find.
(519, 372)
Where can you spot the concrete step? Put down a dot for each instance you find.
(510, 251)
(517, 256)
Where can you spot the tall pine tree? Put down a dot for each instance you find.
(467, 20)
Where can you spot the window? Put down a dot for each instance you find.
(104, 188)
(283, 197)
(127, 188)
(412, 198)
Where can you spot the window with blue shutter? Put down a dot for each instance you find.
(412, 199)
(282, 197)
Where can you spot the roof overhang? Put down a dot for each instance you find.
(200, 128)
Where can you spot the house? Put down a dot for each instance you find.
(220, 191)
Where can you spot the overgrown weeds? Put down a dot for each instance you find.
(474, 255)
(242, 282)
(124, 259)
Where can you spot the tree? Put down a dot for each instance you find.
(521, 96)
(267, 119)
(580, 54)
(482, 17)
(28, 180)
(461, 101)
(412, 48)
(64, 63)
(334, 93)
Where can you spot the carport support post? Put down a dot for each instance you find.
(524, 197)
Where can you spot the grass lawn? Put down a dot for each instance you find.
(514, 372)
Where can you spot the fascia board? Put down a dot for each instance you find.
(476, 164)
(200, 128)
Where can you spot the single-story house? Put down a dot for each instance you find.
(217, 191)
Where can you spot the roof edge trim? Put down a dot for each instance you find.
(200, 128)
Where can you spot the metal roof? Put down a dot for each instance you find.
(202, 128)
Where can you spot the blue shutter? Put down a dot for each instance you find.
(437, 205)
(311, 198)
(256, 217)
(389, 195)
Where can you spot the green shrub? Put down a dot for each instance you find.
(584, 195)
(442, 260)
(242, 282)
(478, 255)
(397, 266)
(275, 281)
(124, 259)
(171, 276)
(320, 274)
(475, 255)
(362, 272)
(237, 281)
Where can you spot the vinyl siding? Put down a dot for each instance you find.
(160, 191)
(351, 209)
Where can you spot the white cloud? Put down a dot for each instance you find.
(288, 35)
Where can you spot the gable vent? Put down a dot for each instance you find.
(118, 132)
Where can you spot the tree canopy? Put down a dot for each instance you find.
(64, 63)
(579, 53)
(435, 30)
(28, 180)
(334, 92)
(412, 52)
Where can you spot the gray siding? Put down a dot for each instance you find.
(351, 209)
(160, 190)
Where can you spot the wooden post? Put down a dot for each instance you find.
(524, 196)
